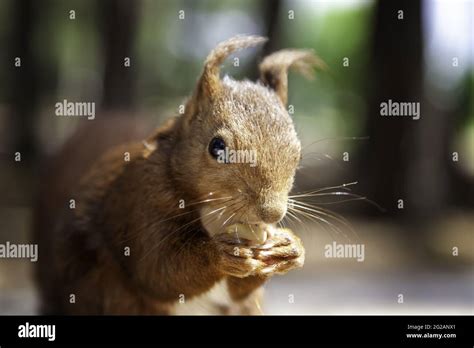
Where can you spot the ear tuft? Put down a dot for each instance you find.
(274, 69)
(209, 83)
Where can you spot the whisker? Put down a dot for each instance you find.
(294, 216)
(294, 220)
(336, 193)
(343, 201)
(180, 228)
(334, 138)
(230, 217)
(319, 157)
(167, 218)
(324, 212)
(208, 200)
(355, 196)
(223, 225)
(318, 154)
(240, 216)
(321, 221)
(191, 237)
(153, 223)
(282, 223)
(253, 232)
(343, 186)
(194, 233)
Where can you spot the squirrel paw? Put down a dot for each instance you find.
(281, 252)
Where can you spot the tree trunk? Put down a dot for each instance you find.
(387, 158)
(118, 23)
(23, 81)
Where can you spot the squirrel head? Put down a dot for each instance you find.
(236, 145)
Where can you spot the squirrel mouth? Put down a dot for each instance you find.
(257, 233)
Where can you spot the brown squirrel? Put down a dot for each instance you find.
(146, 235)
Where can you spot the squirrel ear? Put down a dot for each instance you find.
(274, 69)
(209, 83)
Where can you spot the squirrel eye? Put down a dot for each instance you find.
(216, 146)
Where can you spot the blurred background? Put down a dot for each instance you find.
(374, 53)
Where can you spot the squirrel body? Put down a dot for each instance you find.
(146, 233)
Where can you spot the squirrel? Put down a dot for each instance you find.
(146, 235)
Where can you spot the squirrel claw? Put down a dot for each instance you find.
(281, 253)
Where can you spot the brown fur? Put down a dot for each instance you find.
(274, 68)
(134, 205)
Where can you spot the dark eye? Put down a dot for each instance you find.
(216, 146)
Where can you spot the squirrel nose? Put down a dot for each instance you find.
(271, 213)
